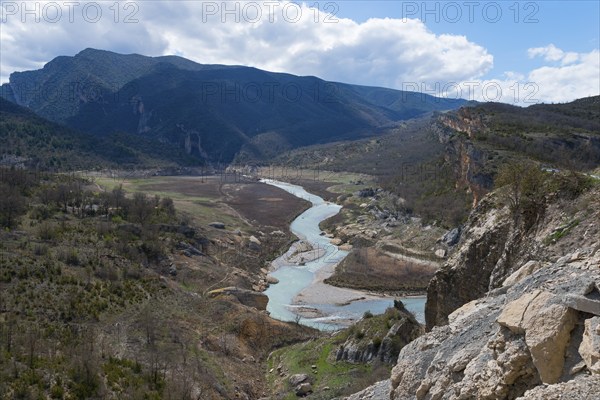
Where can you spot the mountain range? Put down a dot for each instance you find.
(211, 112)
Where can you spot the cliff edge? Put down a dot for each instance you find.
(515, 312)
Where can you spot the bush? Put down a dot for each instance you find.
(377, 342)
(40, 249)
(41, 213)
(47, 231)
(367, 314)
(572, 184)
(69, 256)
(527, 187)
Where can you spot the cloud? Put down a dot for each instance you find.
(566, 77)
(571, 80)
(553, 53)
(278, 36)
(288, 37)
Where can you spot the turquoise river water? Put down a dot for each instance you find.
(293, 278)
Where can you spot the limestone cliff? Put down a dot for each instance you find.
(495, 244)
(456, 132)
(515, 312)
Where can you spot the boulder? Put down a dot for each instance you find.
(272, 280)
(451, 237)
(513, 313)
(527, 269)
(547, 328)
(254, 244)
(547, 335)
(581, 303)
(189, 250)
(253, 239)
(303, 389)
(249, 359)
(217, 225)
(440, 253)
(297, 379)
(589, 349)
(363, 193)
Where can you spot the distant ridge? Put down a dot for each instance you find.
(211, 112)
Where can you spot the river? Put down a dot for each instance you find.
(300, 287)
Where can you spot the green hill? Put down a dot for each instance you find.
(32, 141)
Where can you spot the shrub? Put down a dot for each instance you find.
(527, 190)
(377, 342)
(47, 231)
(41, 213)
(69, 256)
(40, 249)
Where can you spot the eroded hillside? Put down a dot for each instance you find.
(514, 312)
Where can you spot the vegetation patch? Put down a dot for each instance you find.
(561, 232)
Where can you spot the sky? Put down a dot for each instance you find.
(518, 52)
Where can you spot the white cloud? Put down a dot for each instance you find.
(553, 53)
(282, 36)
(285, 37)
(549, 53)
(568, 76)
(568, 82)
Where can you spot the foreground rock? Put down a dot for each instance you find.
(496, 249)
(584, 388)
(532, 330)
(590, 345)
(502, 345)
(379, 391)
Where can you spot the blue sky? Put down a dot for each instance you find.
(550, 53)
(569, 25)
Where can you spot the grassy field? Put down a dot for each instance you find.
(239, 205)
(332, 378)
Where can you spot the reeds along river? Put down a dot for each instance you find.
(294, 278)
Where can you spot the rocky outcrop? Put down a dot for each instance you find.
(483, 255)
(370, 346)
(532, 333)
(506, 343)
(465, 120)
(246, 297)
(456, 132)
(496, 249)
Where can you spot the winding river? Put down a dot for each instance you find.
(301, 295)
